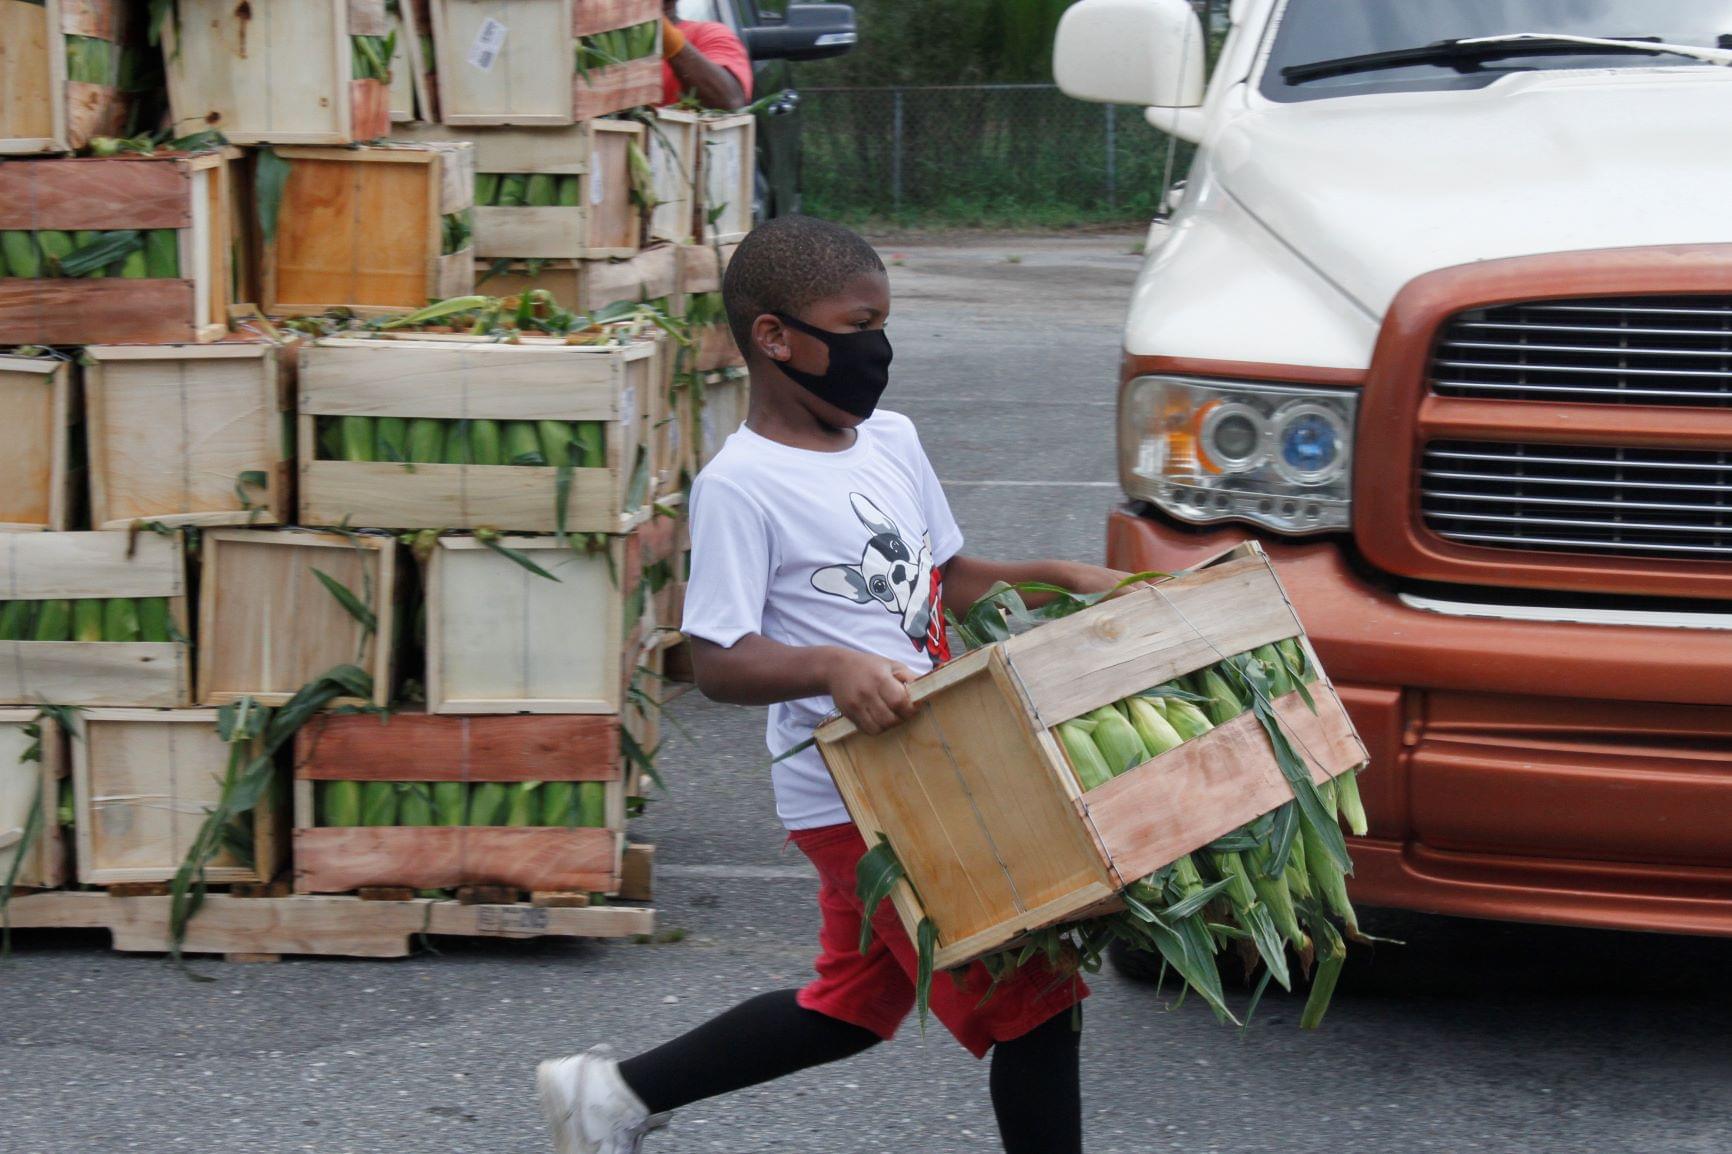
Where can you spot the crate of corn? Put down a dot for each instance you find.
(591, 286)
(278, 608)
(36, 486)
(195, 435)
(532, 624)
(720, 400)
(1171, 758)
(553, 193)
(673, 156)
(375, 230)
(727, 178)
(144, 781)
(282, 71)
(545, 62)
(66, 71)
(32, 777)
(535, 803)
(94, 619)
(534, 435)
(114, 250)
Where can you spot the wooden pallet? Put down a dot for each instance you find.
(266, 928)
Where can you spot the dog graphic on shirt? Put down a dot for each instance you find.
(890, 572)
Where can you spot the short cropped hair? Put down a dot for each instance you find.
(787, 264)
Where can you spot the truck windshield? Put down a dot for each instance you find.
(1309, 31)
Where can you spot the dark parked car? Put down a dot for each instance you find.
(778, 33)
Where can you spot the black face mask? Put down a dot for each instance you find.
(859, 367)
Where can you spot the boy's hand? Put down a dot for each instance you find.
(869, 690)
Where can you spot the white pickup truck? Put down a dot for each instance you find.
(1445, 320)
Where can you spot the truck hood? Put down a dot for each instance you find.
(1372, 191)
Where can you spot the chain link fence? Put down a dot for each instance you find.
(990, 155)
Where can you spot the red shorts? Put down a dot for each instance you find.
(875, 990)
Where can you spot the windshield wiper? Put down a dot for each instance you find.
(1476, 48)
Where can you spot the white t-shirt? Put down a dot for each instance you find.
(811, 548)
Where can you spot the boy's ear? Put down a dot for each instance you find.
(771, 337)
(842, 581)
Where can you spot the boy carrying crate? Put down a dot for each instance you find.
(823, 551)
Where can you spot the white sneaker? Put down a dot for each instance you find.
(589, 1107)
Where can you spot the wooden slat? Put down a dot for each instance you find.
(555, 233)
(340, 926)
(673, 155)
(455, 380)
(650, 275)
(636, 878)
(615, 226)
(29, 47)
(591, 16)
(424, 747)
(562, 151)
(1212, 785)
(716, 350)
(149, 674)
(1071, 666)
(527, 858)
(727, 161)
(35, 396)
(23, 783)
(617, 87)
(109, 193)
(74, 565)
(101, 311)
(385, 495)
(700, 269)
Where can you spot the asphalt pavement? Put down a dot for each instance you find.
(1469, 1037)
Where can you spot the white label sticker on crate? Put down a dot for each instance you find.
(489, 39)
(597, 186)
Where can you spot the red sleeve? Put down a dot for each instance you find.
(718, 44)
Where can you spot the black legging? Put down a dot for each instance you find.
(1036, 1085)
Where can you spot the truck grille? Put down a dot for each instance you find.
(1673, 503)
(1650, 350)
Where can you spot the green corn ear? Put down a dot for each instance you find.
(1118, 742)
(559, 803)
(356, 438)
(56, 246)
(1326, 877)
(570, 193)
(556, 444)
(1298, 877)
(15, 620)
(450, 803)
(1290, 648)
(1185, 876)
(120, 620)
(1352, 808)
(54, 621)
(591, 445)
(4, 271)
(1239, 889)
(1187, 719)
(592, 804)
(1274, 893)
(487, 803)
(87, 619)
(341, 803)
(390, 439)
(1275, 668)
(379, 803)
(524, 806)
(153, 619)
(80, 239)
(415, 804)
(162, 254)
(540, 190)
(1085, 760)
(522, 445)
(513, 190)
(457, 443)
(1157, 734)
(133, 266)
(426, 441)
(23, 258)
(1224, 704)
(486, 188)
(330, 438)
(486, 447)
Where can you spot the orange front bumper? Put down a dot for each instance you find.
(1535, 771)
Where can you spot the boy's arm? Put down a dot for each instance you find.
(869, 690)
(968, 579)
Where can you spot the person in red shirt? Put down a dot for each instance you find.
(704, 57)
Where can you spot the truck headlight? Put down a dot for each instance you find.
(1276, 455)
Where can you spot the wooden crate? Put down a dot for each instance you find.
(724, 399)
(143, 782)
(713, 348)
(605, 221)
(530, 77)
(44, 566)
(27, 785)
(591, 285)
(421, 747)
(702, 266)
(727, 176)
(271, 626)
(411, 89)
(189, 434)
(979, 801)
(35, 488)
(276, 71)
(502, 640)
(452, 380)
(673, 155)
(363, 229)
(186, 193)
(40, 109)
